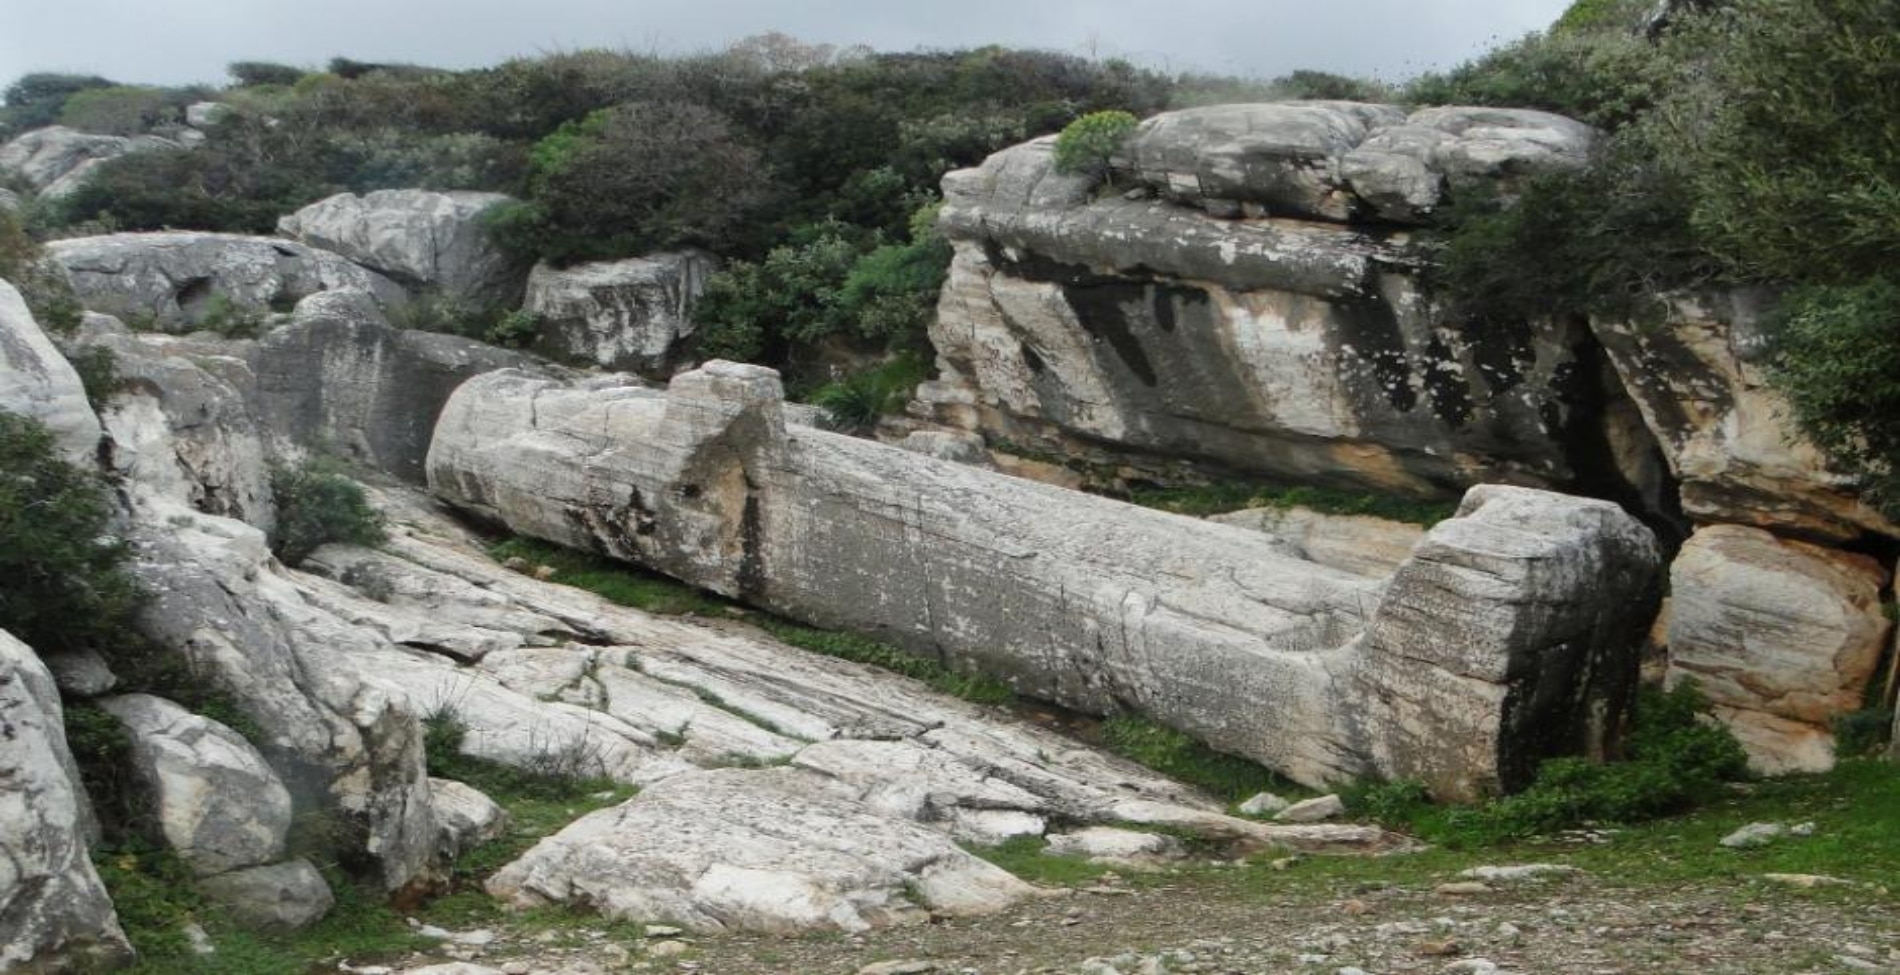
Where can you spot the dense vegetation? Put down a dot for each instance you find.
(813, 170)
(1751, 142)
(64, 581)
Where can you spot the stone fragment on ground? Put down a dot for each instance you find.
(1312, 810)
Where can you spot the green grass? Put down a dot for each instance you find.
(1857, 838)
(1179, 756)
(975, 688)
(1213, 499)
(1025, 857)
(630, 586)
(155, 899)
(614, 581)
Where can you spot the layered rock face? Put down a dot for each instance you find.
(178, 280)
(54, 913)
(426, 240)
(633, 315)
(1502, 638)
(1225, 309)
(1701, 382)
(340, 378)
(56, 160)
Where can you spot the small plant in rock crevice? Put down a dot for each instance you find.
(1087, 144)
(318, 504)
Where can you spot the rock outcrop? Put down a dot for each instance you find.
(428, 241)
(1237, 321)
(55, 915)
(1781, 636)
(56, 160)
(38, 383)
(634, 315)
(1503, 638)
(339, 378)
(177, 280)
(1701, 381)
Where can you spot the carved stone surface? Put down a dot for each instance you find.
(1501, 639)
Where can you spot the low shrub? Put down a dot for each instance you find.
(64, 578)
(318, 504)
(98, 371)
(1086, 144)
(854, 404)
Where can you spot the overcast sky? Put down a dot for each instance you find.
(176, 41)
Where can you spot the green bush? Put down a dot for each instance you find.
(637, 177)
(1087, 144)
(1792, 139)
(855, 403)
(35, 100)
(1837, 357)
(1675, 760)
(252, 74)
(1606, 77)
(316, 505)
(64, 582)
(120, 110)
(23, 264)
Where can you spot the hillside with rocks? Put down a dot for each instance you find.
(608, 513)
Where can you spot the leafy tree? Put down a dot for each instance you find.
(35, 100)
(63, 578)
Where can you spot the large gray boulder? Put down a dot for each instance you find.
(1781, 636)
(1404, 172)
(56, 160)
(176, 280)
(426, 240)
(338, 379)
(1082, 600)
(216, 801)
(55, 915)
(1123, 330)
(37, 382)
(1344, 160)
(634, 315)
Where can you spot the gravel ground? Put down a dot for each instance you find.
(1220, 921)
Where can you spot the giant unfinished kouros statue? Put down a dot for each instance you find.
(1505, 637)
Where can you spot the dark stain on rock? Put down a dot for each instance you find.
(1103, 311)
(751, 546)
(1371, 328)
(1445, 384)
